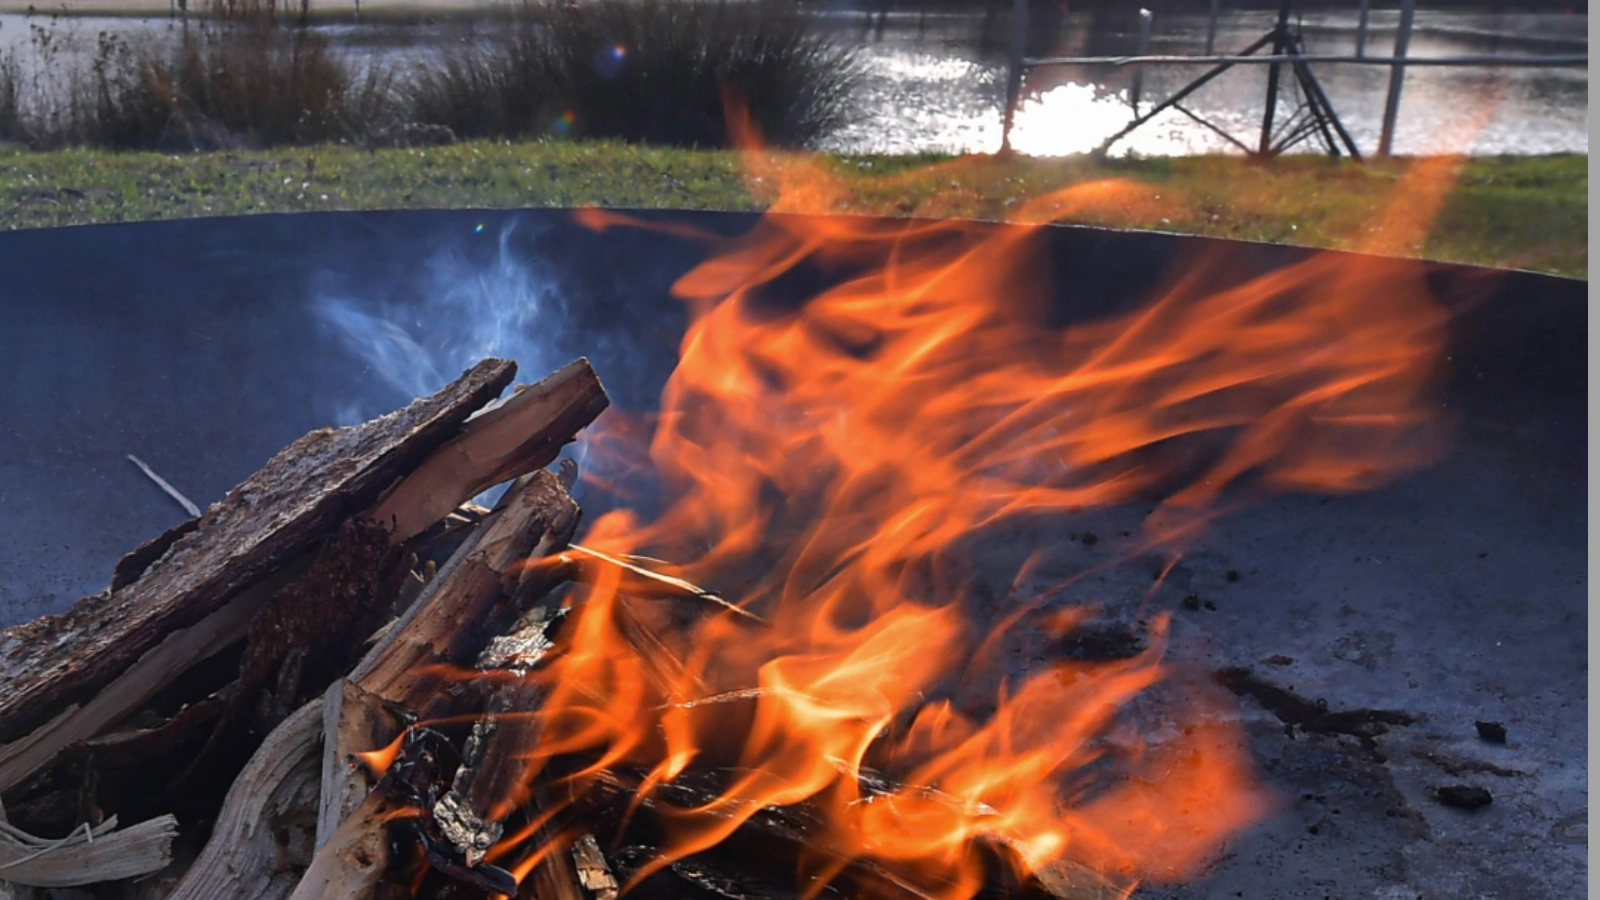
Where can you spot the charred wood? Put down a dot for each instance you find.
(781, 836)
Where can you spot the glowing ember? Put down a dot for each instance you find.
(827, 464)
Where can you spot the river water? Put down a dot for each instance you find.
(937, 82)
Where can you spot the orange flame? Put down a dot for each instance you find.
(831, 460)
(378, 761)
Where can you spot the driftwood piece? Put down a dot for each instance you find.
(275, 515)
(87, 855)
(265, 828)
(402, 676)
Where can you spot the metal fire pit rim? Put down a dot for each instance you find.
(1186, 239)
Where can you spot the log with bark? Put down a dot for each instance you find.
(57, 662)
(213, 632)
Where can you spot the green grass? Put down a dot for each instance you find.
(1524, 212)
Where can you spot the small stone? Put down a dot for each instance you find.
(1192, 602)
(1232, 575)
(1462, 796)
(1278, 659)
(1493, 732)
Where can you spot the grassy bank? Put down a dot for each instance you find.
(1520, 212)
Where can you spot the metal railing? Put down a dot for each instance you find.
(1398, 63)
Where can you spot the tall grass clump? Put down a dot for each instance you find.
(234, 84)
(12, 127)
(645, 71)
(243, 84)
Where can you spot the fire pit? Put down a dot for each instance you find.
(1388, 631)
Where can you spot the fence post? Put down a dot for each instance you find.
(1211, 27)
(1145, 18)
(1397, 75)
(1361, 28)
(1019, 34)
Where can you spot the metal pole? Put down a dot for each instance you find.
(1145, 18)
(1211, 27)
(1278, 34)
(1397, 76)
(1019, 33)
(1361, 28)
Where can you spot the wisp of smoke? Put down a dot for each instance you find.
(469, 311)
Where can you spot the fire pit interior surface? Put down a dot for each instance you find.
(1452, 597)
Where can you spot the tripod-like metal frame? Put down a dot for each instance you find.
(1321, 120)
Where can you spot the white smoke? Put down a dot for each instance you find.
(469, 311)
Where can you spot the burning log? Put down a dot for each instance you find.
(493, 771)
(353, 859)
(400, 680)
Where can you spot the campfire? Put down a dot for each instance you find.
(764, 669)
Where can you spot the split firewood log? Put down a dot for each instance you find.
(349, 865)
(74, 675)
